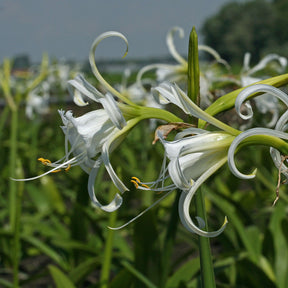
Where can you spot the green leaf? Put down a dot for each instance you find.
(230, 211)
(143, 279)
(44, 248)
(146, 243)
(280, 244)
(5, 283)
(60, 279)
(185, 273)
(123, 279)
(46, 198)
(84, 269)
(250, 275)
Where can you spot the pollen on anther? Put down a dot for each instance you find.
(67, 168)
(145, 186)
(56, 171)
(136, 179)
(135, 183)
(44, 161)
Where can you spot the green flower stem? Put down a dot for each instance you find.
(266, 140)
(15, 198)
(107, 256)
(206, 265)
(5, 84)
(143, 112)
(227, 101)
(3, 118)
(150, 112)
(15, 188)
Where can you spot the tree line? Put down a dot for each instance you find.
(258, 27)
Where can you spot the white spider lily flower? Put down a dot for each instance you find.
(247, 72)
(192, 160)
(37, 101)
(266, 103)
(190, 156)
(91, 135)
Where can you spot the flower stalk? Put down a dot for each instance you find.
(15, 193)
(206, 265)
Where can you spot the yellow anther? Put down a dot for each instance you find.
(56, 171)
(136, 179)
(67, 168)
(44, 161)
(145, 186)
(135, 183)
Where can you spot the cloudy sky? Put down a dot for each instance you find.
(67, 28)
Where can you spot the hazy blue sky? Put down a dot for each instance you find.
(67, 28)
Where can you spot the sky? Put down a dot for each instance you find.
(65, 29)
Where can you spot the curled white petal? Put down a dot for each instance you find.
(257, 88)
(171, 46)
(80, 84)
(185, 201)
(251, 132)
(106, 149)
(94, 67)
(214, 53)
(78, 99)
(114, 204)
(264, 62)
(164, 72)
(275, 154)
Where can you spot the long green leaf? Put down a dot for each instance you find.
(44, 248)
(185, 273)
(60, 279)
(84, 269)
(138, 275)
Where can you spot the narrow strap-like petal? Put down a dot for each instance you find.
(114, 204)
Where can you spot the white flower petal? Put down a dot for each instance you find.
(85, 88)
(113, 111)
(171, 46)
(251, 132)
(114, 204)
(257, 88)
(185, 201)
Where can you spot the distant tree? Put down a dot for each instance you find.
(252, 26)
(21, 62)
(280, 31)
